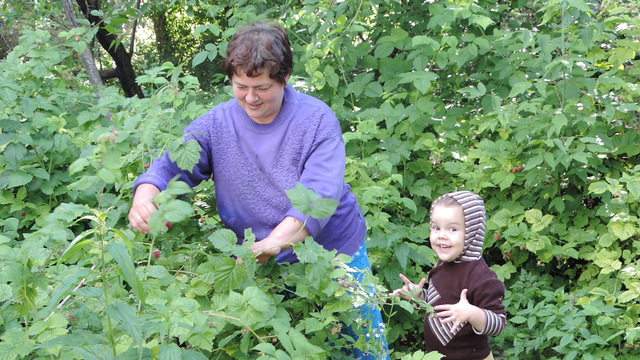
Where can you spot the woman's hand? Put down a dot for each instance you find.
(289, 232)
(266, 248)
(410, 290)
(142, 207)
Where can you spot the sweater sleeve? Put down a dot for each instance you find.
(164, 169)
(488, 296)
(495, 324)
(324, 168)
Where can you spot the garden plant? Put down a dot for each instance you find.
(531, 104)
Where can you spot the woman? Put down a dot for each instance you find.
(261, 143)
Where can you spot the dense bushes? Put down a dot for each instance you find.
(531, 104)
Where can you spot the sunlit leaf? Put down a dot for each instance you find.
(623, 230)
(228, 274)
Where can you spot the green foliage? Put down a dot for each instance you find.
(531, 104)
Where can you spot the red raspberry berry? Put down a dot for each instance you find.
(157, 253)
(169, 224)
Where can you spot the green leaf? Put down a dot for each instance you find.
(533, 216)
(186, 155)
(120, 254)
(324, 208)
(424, 40)
(623, 230)
(224, 240)
(620, 55)
(373, 89)
(503, 179)
(634, 188)
(65, 286)
(481, 20)
(502, 217)
(455, 167)
(304, 348)
(308, 202)
(107, 176)
(176, 210)
(16, 344)
(536, 244)
(608, 266)
(16, 178)
(519, 88)
(409, 204)
(316, 274)
(266, 348)
(598, 187)
(309, 251)
(228, 274)
(157, 224)
(76, 245)
(5, 292)
(260, 301)
(87, 116)
(558, 122)
(178, 188)
(566, 340)
(422, 80)
(14, 153)
(199, 58)
(170, 351)
(473, 92)
(628, 296)
(407, 305)
(128, 317)
(401, 252)
(383, 50)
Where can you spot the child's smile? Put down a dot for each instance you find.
(447, 232)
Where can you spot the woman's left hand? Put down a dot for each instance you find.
(287, 233)
(266, 248)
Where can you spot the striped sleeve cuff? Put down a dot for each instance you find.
(495, 324)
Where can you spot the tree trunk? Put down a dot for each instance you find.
(122, 59)
(163, 41)
(87, 56)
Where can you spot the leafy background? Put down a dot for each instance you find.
(532, 104)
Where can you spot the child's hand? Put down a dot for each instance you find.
(462, 312)
(410, 290)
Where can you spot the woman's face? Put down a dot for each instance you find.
(260, 96)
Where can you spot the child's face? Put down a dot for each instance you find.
(447, 231)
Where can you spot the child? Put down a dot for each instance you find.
(465, 293)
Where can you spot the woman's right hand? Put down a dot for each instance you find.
(142, 207)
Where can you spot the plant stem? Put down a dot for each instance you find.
(240, 321)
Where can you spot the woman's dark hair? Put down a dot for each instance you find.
(261, 46)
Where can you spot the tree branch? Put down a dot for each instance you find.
(109, 42)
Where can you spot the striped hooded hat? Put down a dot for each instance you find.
(474, 222)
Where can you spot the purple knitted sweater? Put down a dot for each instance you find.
(253, 164)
